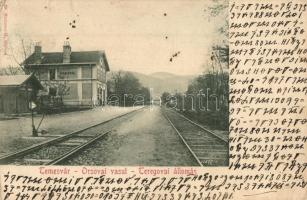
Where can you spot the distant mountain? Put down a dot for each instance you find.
(160, 82)
(163, 75)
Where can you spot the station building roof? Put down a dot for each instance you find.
(79, 57)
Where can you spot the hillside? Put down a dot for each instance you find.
(162, 82)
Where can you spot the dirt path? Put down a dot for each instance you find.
(145, 139)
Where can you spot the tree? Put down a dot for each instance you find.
(62, 86)
(20, 48)
(165, 97)
(11, 70)
(127, 89)
(218, 11)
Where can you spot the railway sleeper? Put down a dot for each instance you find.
(203, 139)
(34, 161)
(71, 144)
(214, 162)
(212, 156)
(202, 142)
(202, 145)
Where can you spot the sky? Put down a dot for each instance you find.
(136, 35)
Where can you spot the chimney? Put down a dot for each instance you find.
(38, 53)
(66, 52)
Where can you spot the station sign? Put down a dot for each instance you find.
(32, 105)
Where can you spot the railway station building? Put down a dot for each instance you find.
(79, 77)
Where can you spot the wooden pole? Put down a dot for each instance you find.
(34, 133)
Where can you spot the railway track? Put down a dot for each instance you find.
(208, 148)
(60, 149)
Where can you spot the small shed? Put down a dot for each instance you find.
(16, 92)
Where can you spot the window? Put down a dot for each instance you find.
(52, 91)
(52, 74)
(86, 91)
(43, 74)
(103, 75)
(86, 72)
(71, 91)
